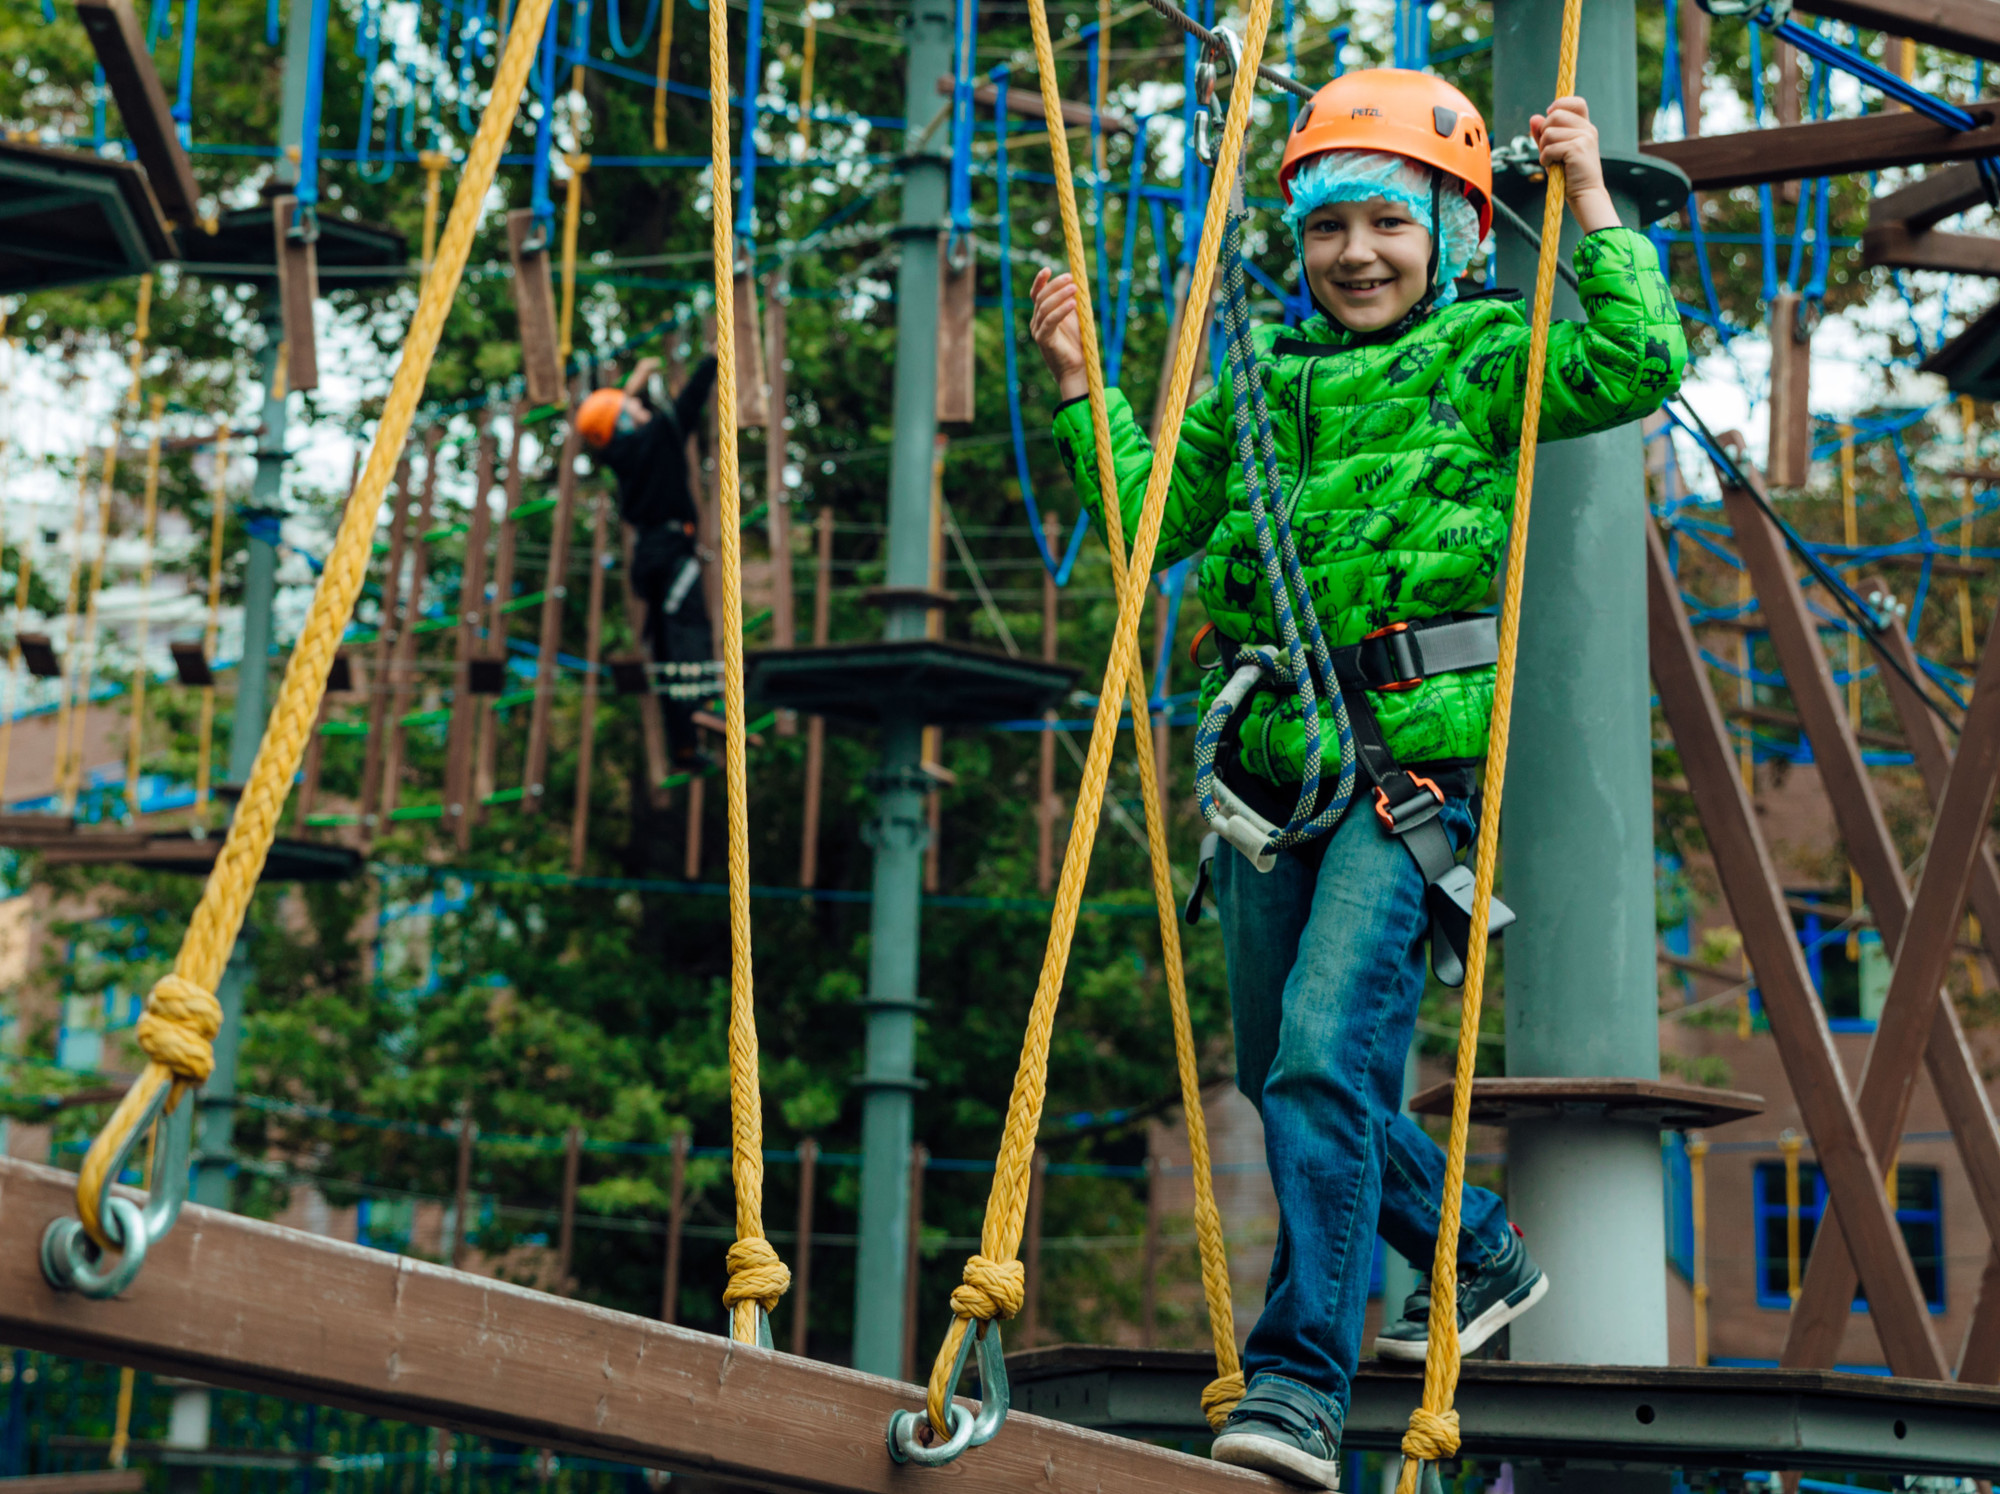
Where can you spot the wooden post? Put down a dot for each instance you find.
(554, 591)
(579, 826)
(1789, 1145)
(566, 1226)
(1031, 1252)
(913, 1256)
(777, 512)
(1979, 1357)
(1798, 1022)
(691, 853)
(956, 310)
(652, 730)
(461, 1235)
(485, 772)
(1045, 796)
(386, 633)
(298, 289)
(1694, 24)
(403, 665)
(1150, 1283)
(802, 1248)
(535, 308)
(752, 408)
(1791, 374)
(816, 726)
(670, 1279)
(472, 617)
(1697, 1155)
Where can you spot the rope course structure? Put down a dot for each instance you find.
(468, 734)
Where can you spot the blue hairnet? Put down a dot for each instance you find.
(1361, 175)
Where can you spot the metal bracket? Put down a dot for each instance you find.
(72, 1261)
(910, 1431)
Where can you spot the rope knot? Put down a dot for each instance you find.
(755, 1274)
(991, 1289)
(1433, 1435)
(177, 1030)
(1219, 1397)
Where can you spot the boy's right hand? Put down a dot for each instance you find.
(1058, 334)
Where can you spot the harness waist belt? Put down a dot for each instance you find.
(1404, 655)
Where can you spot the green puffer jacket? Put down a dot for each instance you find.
(1398, 460)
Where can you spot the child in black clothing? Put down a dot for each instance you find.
(645, 447)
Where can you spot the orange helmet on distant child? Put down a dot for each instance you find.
(1405, 113)
(597, 416)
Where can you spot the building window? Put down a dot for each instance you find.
(1919, 1211)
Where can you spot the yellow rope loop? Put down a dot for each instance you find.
(746, 1103)
(224, 900)
(1007, 1203)
(1434, 1421)
(755, 1275)
(177, 1030)
(1219, 1397)
(1432, 1436)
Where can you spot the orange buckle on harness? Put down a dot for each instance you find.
(1382, 809)
(1403, 658)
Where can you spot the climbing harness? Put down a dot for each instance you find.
(757, 1278)
(100, 1251)
(994, 1280)
(1433, 1433)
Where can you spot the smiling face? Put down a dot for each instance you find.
(1367, 262)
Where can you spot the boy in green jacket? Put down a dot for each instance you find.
(1395, 414)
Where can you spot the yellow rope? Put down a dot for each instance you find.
(433, 163)
(218, 513)
(86, 651)
(1433, 1430)
(182, 1015)
(993, 1280)
(572, 212)
(757, 1278)
(70, 597)
(1220, 1397)
(660, 64)
(136, 746)
(810, 48)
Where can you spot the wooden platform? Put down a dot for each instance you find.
(1675, 1417)
(238, 1302)
(68, 218)
(938, 683)
(62, 842)
(1664, 1103)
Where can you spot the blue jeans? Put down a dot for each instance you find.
(1326, 968)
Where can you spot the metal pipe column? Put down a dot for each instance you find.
(1581, 988)
(900, 829)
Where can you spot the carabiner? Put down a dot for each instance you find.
(1221, 58)
(72, 1261)
(967, 1429)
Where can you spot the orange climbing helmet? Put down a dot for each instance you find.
(597, 416)
(1405, 113)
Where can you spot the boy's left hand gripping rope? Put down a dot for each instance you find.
(182, 1015)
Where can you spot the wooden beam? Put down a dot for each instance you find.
(593, 649)
(1895, 246)
(119, 39)
(298, 288)
(1926, 203)
(472, 612)
(1798, 1022)
(1831, 147)
(554, 592)
(1968, 26)
(535, 310)
(1767, 716)
(1918, 1022)
(1027, 104)
(89, 1481)
(238, 1302)
(402, 679)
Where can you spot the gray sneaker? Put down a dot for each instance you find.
(1281, 1428)
(1488, 1300)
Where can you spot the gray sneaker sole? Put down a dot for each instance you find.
(1269, 1455)
(1473, 1334)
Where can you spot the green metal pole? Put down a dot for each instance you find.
(1581, 983)
(899, 829)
